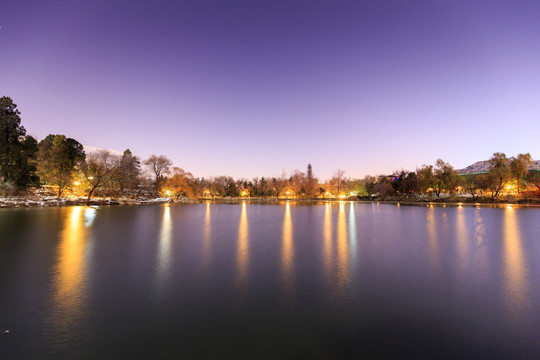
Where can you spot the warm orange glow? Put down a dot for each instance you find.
(164, 248)
(328, 236)
(287, 249)
(431, 223)
(342, 251)
(515, 277)
(207, 235)
(70, 264)
(242, 252)
(462, 240)
(70, 274)
(352, 233)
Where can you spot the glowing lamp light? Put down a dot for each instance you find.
(76, 183)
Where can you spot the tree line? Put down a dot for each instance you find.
(61, 163)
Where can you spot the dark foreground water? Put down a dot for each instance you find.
(221, 281)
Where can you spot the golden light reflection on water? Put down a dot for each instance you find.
(431, 223)
(71, 272)
(342, 246)
(164, 248)
(242, 255)
(514, 275)
(462, 239)
(328, 237)
(207, 235)
(287, 249)
(352, 232)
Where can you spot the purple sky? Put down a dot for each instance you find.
(252, 88)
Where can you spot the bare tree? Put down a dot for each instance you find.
(99, 169)
(338, 181)
(298, 182)
(279, 184)
(159, 166)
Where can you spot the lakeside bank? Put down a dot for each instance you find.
(36, 201)
(33, 201)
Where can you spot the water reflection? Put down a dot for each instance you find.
(389, 299)
(352, 233)
(207, 235)
(89, 215)
(481, 255)
(71, 270)
(287, 250)
(514, 266)
(431, 223)
(164, 249)
(242, 255)
(342, 247)
(328, 237)
(462, 239)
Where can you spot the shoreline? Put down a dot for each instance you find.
(35, 202)
(454, 202)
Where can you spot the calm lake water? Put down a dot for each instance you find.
(337, 280)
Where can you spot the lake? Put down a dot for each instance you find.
(214, 281)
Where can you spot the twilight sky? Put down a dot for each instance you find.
(252, 88)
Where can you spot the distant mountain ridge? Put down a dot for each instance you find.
(484, 166)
